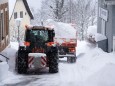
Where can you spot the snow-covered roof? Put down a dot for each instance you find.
(12, 6)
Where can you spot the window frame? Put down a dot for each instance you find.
(21, 14)
(0, 27)
(2, 24)
(6, 18)
(15, 15)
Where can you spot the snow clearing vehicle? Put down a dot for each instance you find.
(67, 48)
(38, 50)
(65, 38)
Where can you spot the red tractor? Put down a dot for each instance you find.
(38, 51)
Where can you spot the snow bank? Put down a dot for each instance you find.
(62, 30)
(3, 70)
(92, 30)
(104, 77)
(11, 79)
(99, 37)
(10, 52)
(94, 64)
(92, 33)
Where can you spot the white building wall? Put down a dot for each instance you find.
(26, 18)
(19, 6)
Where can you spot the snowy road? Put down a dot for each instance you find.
(34, 80)
(93, 68)
(65, 77)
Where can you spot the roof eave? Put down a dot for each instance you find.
(28, 9)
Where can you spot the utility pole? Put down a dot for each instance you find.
(18, 34)
(18, 23)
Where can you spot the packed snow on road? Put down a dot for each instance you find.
(94, 67)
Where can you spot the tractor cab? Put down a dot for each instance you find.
(37, 37)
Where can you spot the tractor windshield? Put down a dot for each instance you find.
(39, 35)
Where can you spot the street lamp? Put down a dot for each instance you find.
(18, 23)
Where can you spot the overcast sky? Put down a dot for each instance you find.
(35, 3)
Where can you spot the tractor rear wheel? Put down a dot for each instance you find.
(53, 60)
(22, 61)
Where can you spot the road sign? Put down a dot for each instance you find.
(110, 2)
(103, 13)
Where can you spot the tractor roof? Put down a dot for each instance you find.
(38, 28)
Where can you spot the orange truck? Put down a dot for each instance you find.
(65, 39)
(67, 48)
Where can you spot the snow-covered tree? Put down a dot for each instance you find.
(14, 33)
(83, 17)
(54, 9)
(37, 16)
(82, 13)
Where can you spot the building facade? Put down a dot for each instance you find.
(20, 10)
(4, 24)
(106, 24)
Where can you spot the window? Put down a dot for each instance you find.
(2, 25)
(15, 15)
(21, 14)
(7, 31)
(0, 28)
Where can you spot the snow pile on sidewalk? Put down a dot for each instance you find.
(92, 33)
(96, 67)
(3, 70)
(10, 53)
